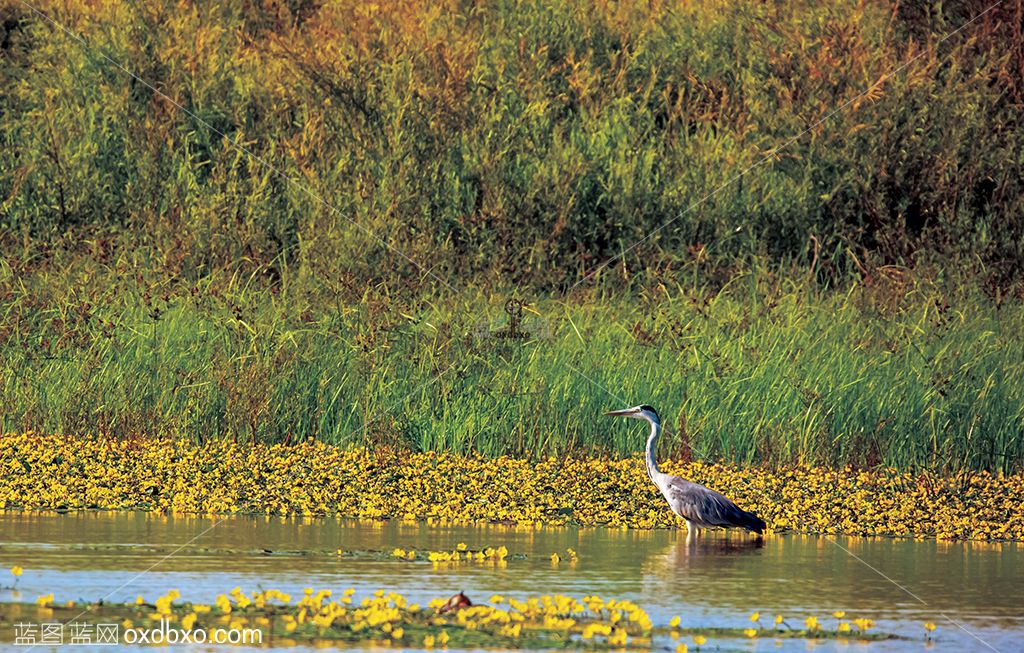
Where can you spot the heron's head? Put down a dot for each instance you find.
(644, 412)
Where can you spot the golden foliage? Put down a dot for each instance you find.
(313, 478)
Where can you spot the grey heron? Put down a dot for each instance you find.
(699, 506)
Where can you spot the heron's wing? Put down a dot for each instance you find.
(699, 504)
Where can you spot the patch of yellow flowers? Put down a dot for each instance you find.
(388, 618)
(313, 478)
(496, 556)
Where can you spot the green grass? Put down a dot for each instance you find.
(763, 370)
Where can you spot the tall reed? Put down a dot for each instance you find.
(766, 370)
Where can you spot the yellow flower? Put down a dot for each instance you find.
(513, 630)
(428, 642)
(461, 546)
(188, 621)
(45, 600)
(755, 617)
(844, 627)
(619, 637)
(442, 639)
(16, 570)
(839, 614)
(397, 633)
(223, 603)
(139, 600)
(929, 626)
(497, 598)
(555, 558)
(750, 632)
(699, 640)
(674, 622)
(811, 623)
(779, 619)
(682, 648)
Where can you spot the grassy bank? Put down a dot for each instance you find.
(895, 371)
(54, 473)
(306, 219)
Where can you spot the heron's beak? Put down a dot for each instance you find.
(621, 413)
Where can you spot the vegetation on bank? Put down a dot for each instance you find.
(896, 372)
(315, 479)
(304, 221)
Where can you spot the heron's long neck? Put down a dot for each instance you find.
(652, 464)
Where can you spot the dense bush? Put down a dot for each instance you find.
(521, 140)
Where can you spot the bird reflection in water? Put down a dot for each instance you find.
(715, 550)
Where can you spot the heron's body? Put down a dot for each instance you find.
(699, 506)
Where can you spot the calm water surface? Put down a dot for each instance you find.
(713, 582)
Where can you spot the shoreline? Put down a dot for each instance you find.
(48, 473)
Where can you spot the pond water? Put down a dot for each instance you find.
(973, 591)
